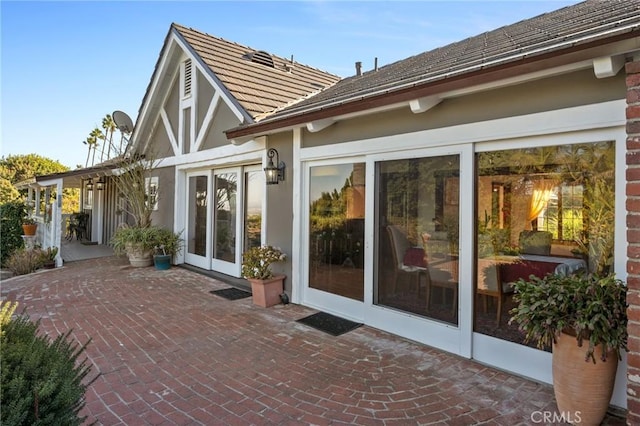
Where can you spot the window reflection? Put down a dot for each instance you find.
(417, 233)
(336, 240)
(540, 210)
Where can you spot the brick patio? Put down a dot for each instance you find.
(169, 352)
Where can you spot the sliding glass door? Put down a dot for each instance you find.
(417, 216)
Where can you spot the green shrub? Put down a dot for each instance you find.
(11, 215)
(23, 261)
(41, 379)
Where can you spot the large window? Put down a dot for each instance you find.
(539, 211)
(417, 236)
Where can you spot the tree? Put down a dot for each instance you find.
(18, 168)
(95, 135)
(109, 126)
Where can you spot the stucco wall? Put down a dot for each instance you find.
(160, 146)
(543, 95)
(224, 120)
(171, 107)
(279, 207)
(205, 95)
(166, 182)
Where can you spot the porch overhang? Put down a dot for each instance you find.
(70, 179)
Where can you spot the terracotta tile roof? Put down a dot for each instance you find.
(260, 89)
(549, 32)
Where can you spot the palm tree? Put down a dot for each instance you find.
(89, 144)
(109, 127)
(95, 135)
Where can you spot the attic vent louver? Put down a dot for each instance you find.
(263, 58)
(187, 77)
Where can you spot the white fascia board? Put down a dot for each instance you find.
(161, 74)
(48, 182)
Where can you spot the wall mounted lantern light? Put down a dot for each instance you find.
(100, 184)
(274, 171)
(90, 185)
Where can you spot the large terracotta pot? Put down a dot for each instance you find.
(582, 389)
(267, 293)
(29, 229)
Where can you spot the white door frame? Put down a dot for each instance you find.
(203, 262)
(328, 302)
(229, 268)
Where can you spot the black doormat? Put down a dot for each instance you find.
(329, 323)
(231, 293)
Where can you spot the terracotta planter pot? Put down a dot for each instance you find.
(29, 229)
(267, 293)
(582, 389)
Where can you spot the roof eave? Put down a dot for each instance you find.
(482, 75)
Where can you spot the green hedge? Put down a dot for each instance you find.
(11, 215)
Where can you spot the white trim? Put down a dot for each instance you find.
(200, 261)
(206, 75)
(224, 266)
(228, 154)
(202, 131)
(329, 302)
(297, 279)
(167, 128)
(180, 205)
(593, 116)
(620, 237)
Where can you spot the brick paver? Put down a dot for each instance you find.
(170, 353)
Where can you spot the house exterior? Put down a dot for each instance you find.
(409, 188)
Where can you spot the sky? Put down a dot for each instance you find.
(65, 65)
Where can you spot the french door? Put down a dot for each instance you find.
(198, 219)
(224, 216)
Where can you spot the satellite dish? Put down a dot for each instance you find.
(123, 121)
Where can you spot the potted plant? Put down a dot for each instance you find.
(136, 242)
(49, 257)
(256, 268)
(583, 317)
(168, 244)
(29, 226)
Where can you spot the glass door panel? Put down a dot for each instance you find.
(225, 216)
(336, 226)
(254, 195)
(417, 205)
(197, 221)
